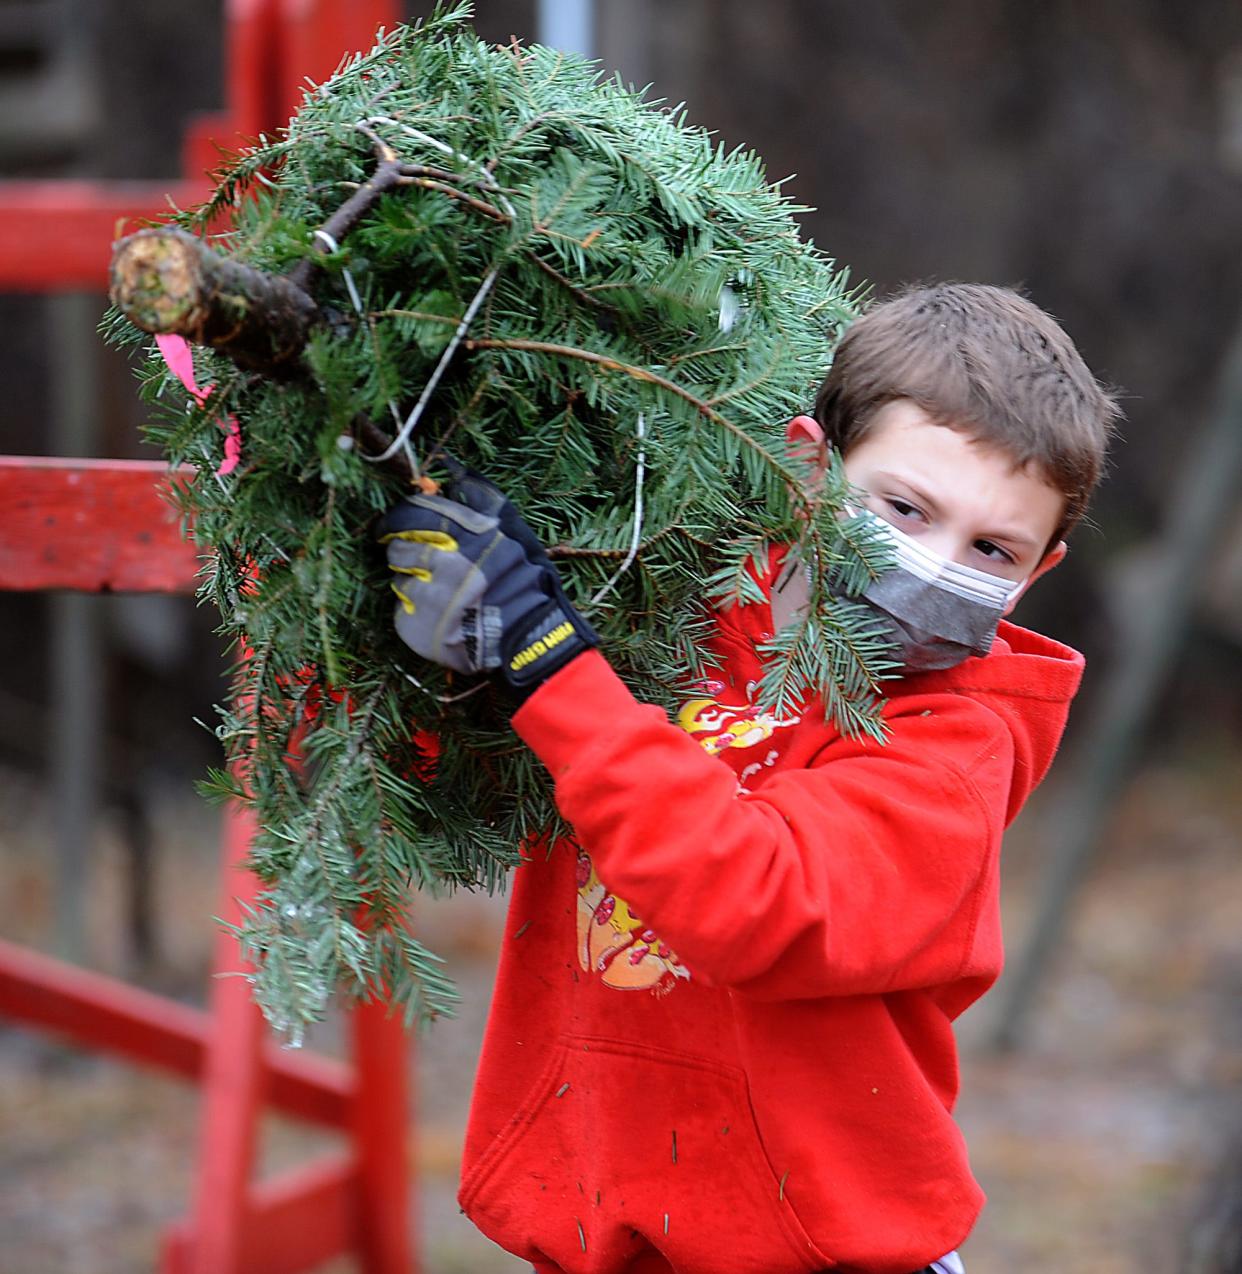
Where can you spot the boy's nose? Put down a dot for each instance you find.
(945, 544)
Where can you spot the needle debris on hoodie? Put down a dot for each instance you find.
(721, 1035)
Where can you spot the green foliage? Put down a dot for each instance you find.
(641, 272)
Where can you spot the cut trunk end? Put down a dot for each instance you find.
(167, 281)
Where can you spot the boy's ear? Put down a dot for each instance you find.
(804, 429)
(1054, 557)
(805, 436)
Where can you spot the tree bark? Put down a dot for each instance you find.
(168, 281)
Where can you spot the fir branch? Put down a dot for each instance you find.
(537, 121)
(422, 315)
(387, 176)
(609, 228)
(359, 739)
(703, 407)
(567, 552)
(582, 294)
(414, 178)
(324, 592)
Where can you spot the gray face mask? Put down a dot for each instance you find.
(938, 613)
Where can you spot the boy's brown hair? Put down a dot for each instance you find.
(983, 360)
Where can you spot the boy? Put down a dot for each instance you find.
(721, 1039)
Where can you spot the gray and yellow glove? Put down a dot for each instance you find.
(475, 590)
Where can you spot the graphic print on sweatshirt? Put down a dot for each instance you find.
(612, 941)
(724, 726)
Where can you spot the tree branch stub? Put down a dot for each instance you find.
(167, 281)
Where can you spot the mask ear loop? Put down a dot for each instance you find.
(1016, 591)
(982, 586)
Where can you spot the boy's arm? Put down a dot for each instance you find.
(865, 872)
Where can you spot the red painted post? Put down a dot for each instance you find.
(320, 34)
(381, 1116)
(253, 39)
(233, 1080)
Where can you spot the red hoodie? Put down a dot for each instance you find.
(756, 1076)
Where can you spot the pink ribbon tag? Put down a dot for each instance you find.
(176, 353)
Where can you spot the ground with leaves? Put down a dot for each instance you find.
(1094, 1143)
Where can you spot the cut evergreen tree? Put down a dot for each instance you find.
(574, 292)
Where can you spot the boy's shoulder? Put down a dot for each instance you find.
(1018, 695)
(1021, 663)
(1003, 713)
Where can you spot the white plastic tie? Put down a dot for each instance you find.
(406, 428)
(402, 438)
(350, 286)
(637, 535)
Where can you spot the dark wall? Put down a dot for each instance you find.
(1090, 153)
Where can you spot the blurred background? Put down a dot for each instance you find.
(1089, 154)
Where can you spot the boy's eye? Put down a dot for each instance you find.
(903, 508)
(994, 551)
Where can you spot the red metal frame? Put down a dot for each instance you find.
(102, 525)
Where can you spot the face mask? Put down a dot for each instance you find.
(939, 613)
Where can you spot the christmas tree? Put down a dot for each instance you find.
(494, 251)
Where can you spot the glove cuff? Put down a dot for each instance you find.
(541, 643)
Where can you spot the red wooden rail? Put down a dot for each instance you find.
(51, 232)
(98, 1012)
(98, 526)
(103, 525)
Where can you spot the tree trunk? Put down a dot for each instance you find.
(167, 281)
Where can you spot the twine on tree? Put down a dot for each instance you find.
(401, 441)
(636, 537)
(403, 434)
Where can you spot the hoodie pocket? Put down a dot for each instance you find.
(621, 1148)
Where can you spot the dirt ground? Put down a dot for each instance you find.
(1096, 1142)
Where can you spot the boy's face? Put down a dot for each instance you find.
(963, 500)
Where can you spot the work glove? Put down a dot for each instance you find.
(475, 589)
